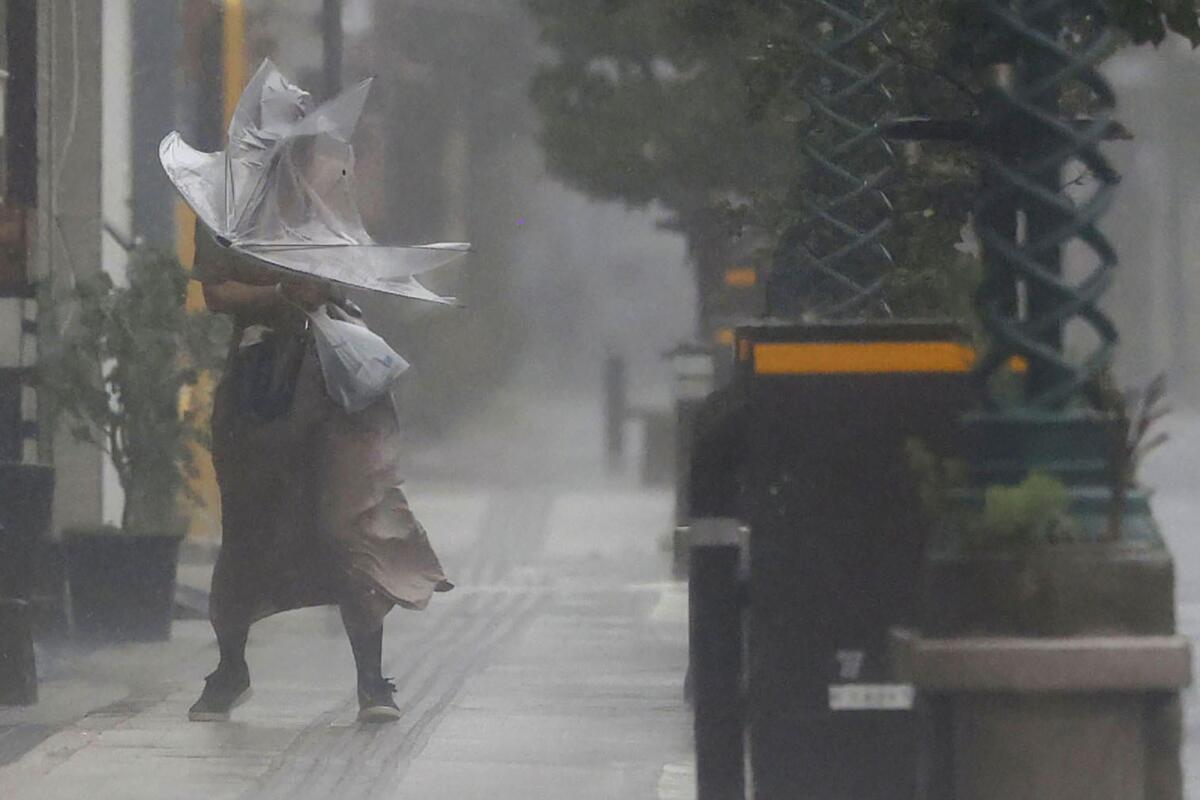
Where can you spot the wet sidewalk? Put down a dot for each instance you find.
(1171, 472)
(554, 670)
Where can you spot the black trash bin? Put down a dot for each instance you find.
(836, 543)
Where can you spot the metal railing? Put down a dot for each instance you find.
(1027, 143)
(833, 262)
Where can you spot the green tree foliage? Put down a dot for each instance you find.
(115, 374)
(1149, 20)
(934, 183)
(1032, 512)
(634, 109)
(697, 105)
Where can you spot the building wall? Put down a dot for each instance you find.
(1155, 299)
(157, 36)
(18, 403)
(68, 219)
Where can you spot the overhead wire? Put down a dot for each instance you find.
(59, 162)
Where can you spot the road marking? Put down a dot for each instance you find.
(677, 781)
(672, 605)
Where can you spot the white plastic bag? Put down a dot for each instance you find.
(359, 366)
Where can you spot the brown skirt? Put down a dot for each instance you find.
(311, 508)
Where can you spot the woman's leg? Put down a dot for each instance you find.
(230, 606)
(229, 685)
(364, 629)
(368, 653)
(231, 643)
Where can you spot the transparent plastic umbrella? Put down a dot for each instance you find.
(282, 191)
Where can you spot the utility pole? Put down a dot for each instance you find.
(331, 39)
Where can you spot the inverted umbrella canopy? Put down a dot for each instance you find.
(282, 191)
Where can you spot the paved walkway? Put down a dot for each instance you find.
(1173, 472)
(554, 671)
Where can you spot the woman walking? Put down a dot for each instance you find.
(305, 435)
(311, 507)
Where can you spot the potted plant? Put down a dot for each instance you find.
(115, 372)
(1043, 554)
(1047, 603)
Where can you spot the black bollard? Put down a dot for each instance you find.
(18, 674)
(715, 658)
(615, 409)
(26, 497)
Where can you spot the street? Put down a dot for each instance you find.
(555, 669)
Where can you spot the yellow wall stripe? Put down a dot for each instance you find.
(234, 54)
(185, 249)
(204, 517)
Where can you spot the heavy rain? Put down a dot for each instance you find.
(614, 399)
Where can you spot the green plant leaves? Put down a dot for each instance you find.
(115, 372)
(1150, 20)
(1033, 511)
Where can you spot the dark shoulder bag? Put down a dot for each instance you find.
(266, 374)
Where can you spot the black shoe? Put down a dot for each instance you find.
(375, 702)
(223, 690)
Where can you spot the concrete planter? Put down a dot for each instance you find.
(1050, 590)
(1049, 671)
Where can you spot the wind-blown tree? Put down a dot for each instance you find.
(930, 184)
(635, 112)
(697, 105)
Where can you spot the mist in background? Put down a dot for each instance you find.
(447, 150)
(1155, 221)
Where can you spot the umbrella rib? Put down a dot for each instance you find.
(355, 245)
